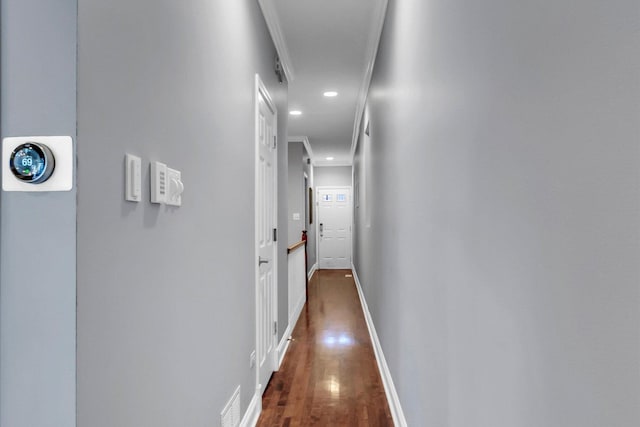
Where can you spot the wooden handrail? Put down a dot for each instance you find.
(296, 246)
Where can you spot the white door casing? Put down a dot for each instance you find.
(334, 227)
(266, 223)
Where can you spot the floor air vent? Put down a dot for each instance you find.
(230, 416)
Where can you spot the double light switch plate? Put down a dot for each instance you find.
(166, 185)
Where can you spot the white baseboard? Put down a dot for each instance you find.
(314, 268)
(284, 342)
(250, 418)
(283, 347)
(392, 395)
(296, 312)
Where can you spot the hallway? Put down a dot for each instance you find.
(493, 154)
(329, 375)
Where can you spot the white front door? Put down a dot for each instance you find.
(266, 220)
(334, 227)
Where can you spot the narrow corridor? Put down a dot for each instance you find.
(329, 376)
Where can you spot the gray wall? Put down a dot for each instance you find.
(281, 99)
(501, 265)
(166, 305)
(311, 228)
(332, 175)
(297, 201)
(37, 280)
(296, 191)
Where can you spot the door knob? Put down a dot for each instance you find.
(262, 261)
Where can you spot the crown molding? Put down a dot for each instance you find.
(275, 29)
(331, 163)
(318, 162)
(372, 50)
(307, 146)
(305, 142)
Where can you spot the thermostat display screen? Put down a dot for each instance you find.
(32, 162)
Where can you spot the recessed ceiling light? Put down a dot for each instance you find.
(295, 112)
(331, 94)
(329, 158)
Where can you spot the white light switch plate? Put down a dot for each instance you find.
(133, 178)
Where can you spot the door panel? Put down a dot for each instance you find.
(266, 198)
(334, 222)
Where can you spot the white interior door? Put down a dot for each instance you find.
(334, 227)
(266, 220)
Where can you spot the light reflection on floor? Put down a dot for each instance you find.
(337, 339)
(333, 386)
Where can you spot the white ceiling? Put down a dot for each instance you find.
(326, 45)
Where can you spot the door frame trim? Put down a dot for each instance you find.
(261, 90)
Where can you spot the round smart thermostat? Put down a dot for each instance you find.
(32, 162)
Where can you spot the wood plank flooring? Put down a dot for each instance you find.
(329, 376)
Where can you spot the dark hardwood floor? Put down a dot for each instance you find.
(329, 376)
